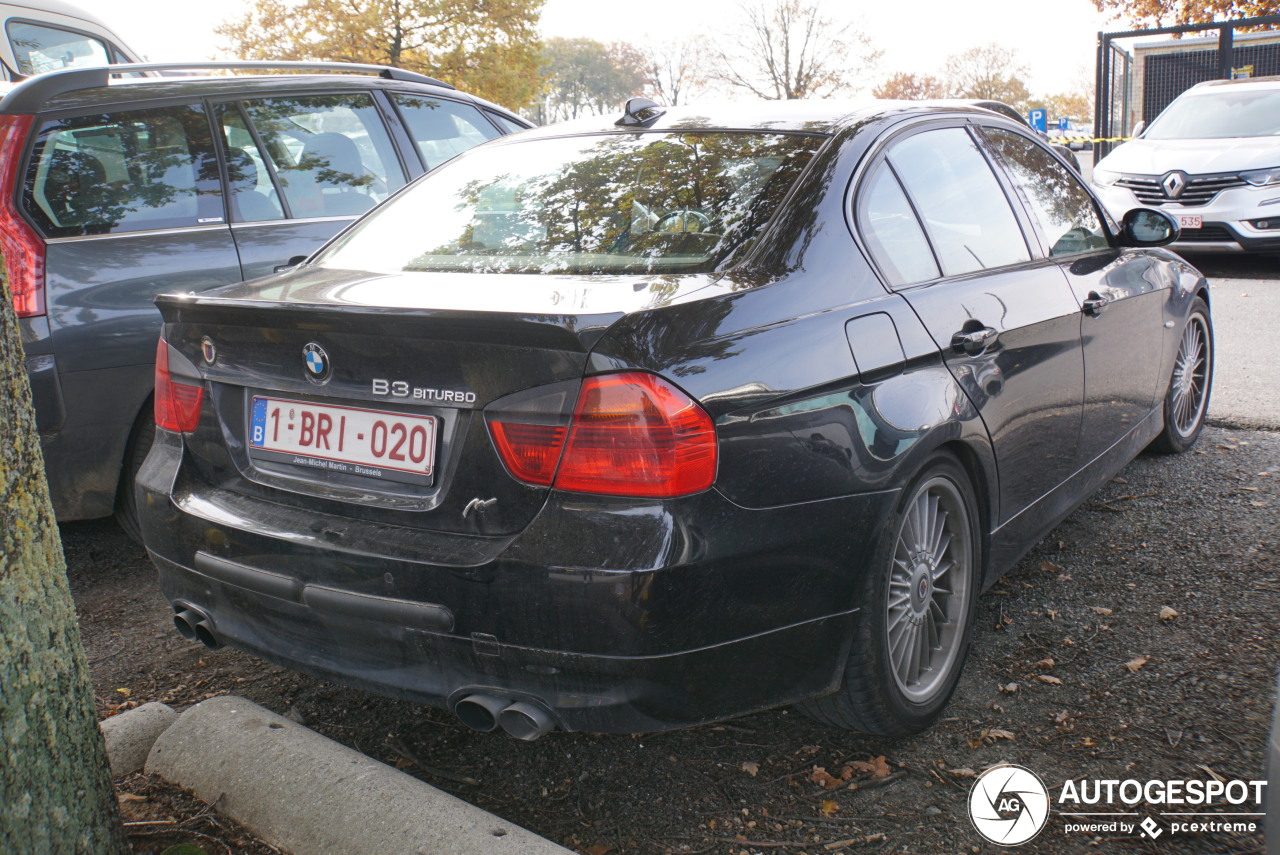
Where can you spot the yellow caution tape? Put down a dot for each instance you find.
(1070, 140)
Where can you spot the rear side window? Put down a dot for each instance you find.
(892, 232)
(965, 212)
(39, 48)
(330, 153)
(123, 172)
(442, 129)
(508, 126)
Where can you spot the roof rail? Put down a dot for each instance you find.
(31, 94)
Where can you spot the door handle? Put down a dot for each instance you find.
(1094, 304)
(975, 342)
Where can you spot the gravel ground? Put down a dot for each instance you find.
(1109, 684)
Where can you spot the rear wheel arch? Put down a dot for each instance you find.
(141, 436)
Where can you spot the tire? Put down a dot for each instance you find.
(919, 573)
(140, 440)
(1187, 399)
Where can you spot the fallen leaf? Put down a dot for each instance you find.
(125, 692)
(1009, 688)
(1167, 613)
(1119, 480)
(1102, 610)
(751, 769)
(1052, 613)
(829, 807)
(994, 733)
(1046, 662)
(1259, 504)
(824, 779)
(964, 772)
(1136, 663)
(878, 767)
(1061, 717)
(1045, 678)
(600, 849)
(1050, 567)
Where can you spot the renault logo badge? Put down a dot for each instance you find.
(316, 362)
(1174, 183)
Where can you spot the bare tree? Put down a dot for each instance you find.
(675, 71)
(784, 49)
(989, 72)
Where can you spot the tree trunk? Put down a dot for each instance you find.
(55, 790)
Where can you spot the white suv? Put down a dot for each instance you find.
(1211, 159)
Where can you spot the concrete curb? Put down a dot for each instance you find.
(309, 795)
(130, 735)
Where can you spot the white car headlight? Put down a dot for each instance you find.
(1262, 177)
(1104, 178)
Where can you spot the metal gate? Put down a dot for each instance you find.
(1136, 80)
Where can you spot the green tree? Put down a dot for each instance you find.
(487, 47)
(55, 790)
(584, 77)
(905, 86)
(1157, 13)
(988, 72)
(783, 49)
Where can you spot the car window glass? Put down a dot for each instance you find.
(891, 230)
(508, 126)
(1064, 208)
(965, 212)
(122, 172)
(39, 48)
(442, 129)
(331, 153)
(252, 195)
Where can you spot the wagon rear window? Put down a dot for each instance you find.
(123, 172)
(612, 203)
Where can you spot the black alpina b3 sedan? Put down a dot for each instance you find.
(629, 425)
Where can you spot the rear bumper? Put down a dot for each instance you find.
(615, 616)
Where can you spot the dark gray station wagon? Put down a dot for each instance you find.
(113, 190)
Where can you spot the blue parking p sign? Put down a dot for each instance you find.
(1038, 120)
(1064, 124)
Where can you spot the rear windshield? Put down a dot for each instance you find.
(610, 203)
(1219, 113)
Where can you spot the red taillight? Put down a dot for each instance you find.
(177, 404)
(632, 434)
(23, 249)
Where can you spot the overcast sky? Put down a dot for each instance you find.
(1057, 46)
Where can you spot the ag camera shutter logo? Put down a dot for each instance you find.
(1008, 805)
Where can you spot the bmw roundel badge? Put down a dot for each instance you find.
(316, 362)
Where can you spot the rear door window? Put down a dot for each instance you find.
(128, 171)
(39, 48)
(964, 210)
(441, 128)
(331, 154)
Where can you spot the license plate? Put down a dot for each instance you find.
(1191, 222)
(346, 440)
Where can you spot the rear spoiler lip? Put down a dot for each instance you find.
(569, 332)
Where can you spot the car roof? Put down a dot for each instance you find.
(1265, 83)
(820, 116)
(84, 87)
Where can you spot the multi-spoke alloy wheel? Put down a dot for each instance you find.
(929, 589)
(915, 611)
(1187, 400)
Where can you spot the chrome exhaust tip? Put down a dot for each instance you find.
(480, 712)
(526, 721)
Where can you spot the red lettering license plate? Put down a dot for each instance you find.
(1191, 222)
(347, 440)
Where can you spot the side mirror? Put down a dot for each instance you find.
(1148, 227)
(290, 264)
(1139, 128)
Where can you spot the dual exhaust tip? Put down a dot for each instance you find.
(521, 719)
(194, 625)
